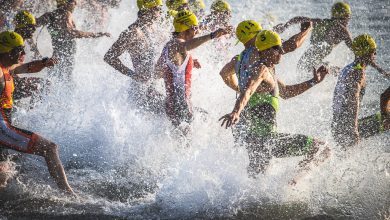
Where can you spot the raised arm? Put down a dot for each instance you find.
(242, 101)
(196, 42)
(35, 66)
(280, 28)
(123, 43)
(228, 75)
(290, 91)
(82, 34)
(297, 40)
(345, 36)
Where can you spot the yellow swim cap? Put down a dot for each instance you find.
(61, 2)
(363, 44)
(247, 30)
(23, 19)
(267, 39)
(197, 5)
(185, 20)
(175, 4)
(147, 4)
(341, 10)
(220, 6)
(10, 40)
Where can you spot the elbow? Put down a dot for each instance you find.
(108, 58)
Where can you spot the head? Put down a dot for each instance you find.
(246, 31)
(11, 48)
(149, 9)
(364, 48)
(67, 5)
(222, 10)
(186, 24)
(269, 44)
(25, 24)
(341, 12)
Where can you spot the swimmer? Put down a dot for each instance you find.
(11, 50)
(175, 66)
(138, 41)
(327, 34)
(63, 34)
(220, 16)
(347, 128)
(259, 91)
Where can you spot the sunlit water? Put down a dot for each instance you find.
(124, 163)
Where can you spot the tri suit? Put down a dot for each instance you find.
(257, 128)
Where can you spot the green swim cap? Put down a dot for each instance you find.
(341, 10)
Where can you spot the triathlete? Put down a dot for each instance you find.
(258, 102)
(175, 65)
(25, 25)
(220, 16)
(327, 34)
(11, 51)
(347, 128)
(140, 40)
(63, 34)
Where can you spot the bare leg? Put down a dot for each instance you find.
(49, 151)
(385, 108)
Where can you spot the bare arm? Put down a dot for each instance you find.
(117, 49)
(296, 20)
(346, 36)
(297, 40)
(159, 68)
(82, 34)
(34, 66)
(196, 42)
(242, 101)
(229, 76)
(290, 91)
(34, 48)
(380, 69)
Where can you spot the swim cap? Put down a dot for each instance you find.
(23, 19)
(267, 39)
(148, 4)
(10, 40)
(220, 6)
(247, 30)
(197, 5)
(61, 2)
(184, 20)
(175, 4)
(341, 10)
(363, 44)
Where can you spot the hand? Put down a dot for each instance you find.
(306, 26)
(280, 28)
(320, 73)
(50, 62)
(220, 32)
(197, 64)
(230, 119)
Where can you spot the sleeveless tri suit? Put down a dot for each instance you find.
(12, 137)
(257, 126)
(177, 80)
(342, 125)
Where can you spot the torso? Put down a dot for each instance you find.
(350, 78)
